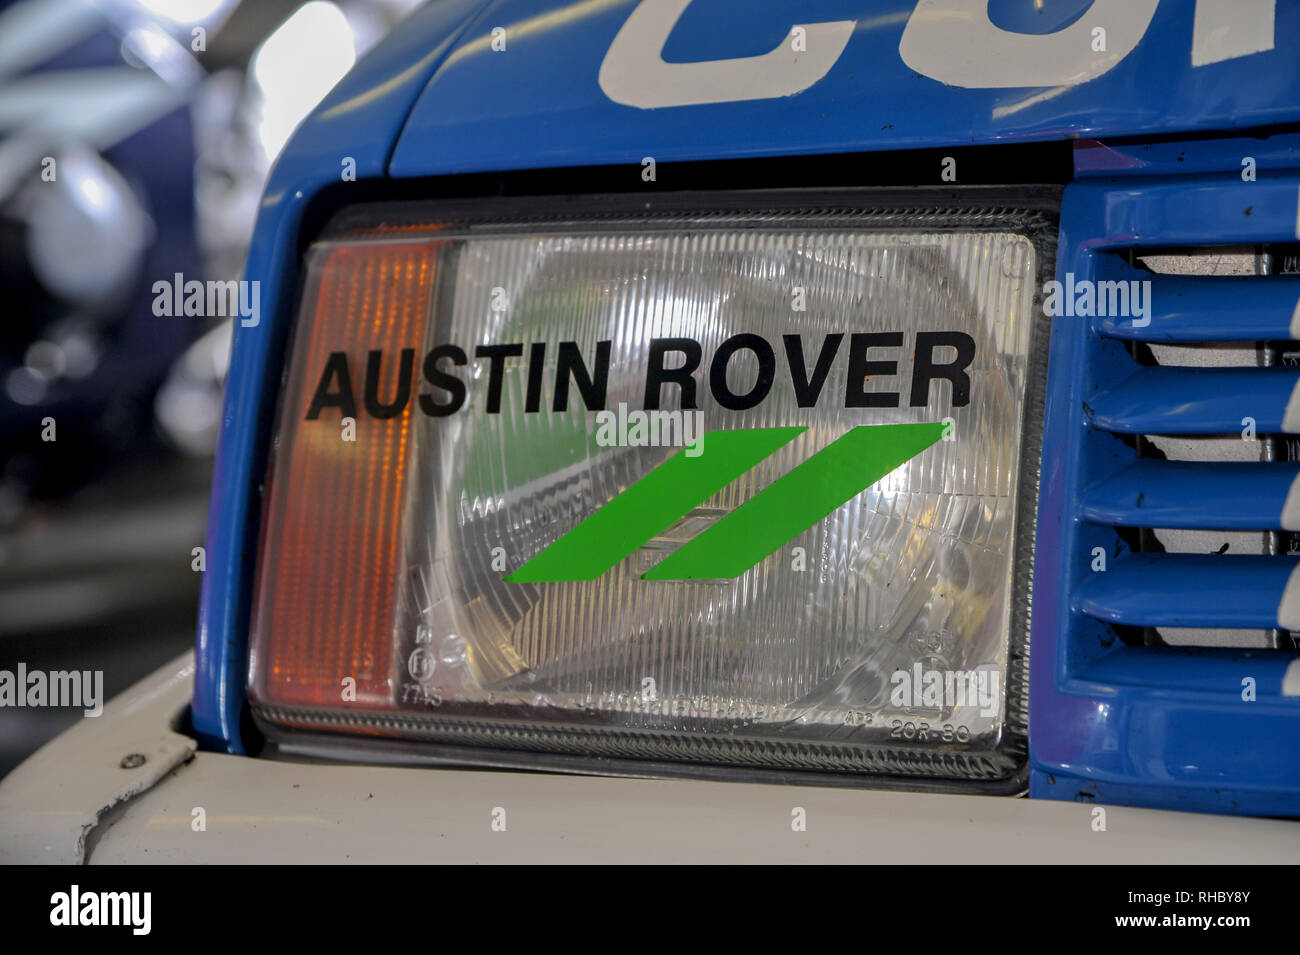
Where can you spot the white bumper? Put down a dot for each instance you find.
(74, 802)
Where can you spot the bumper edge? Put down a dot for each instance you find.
(53, 801)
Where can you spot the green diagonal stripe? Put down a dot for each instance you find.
(793, 503)
(652, 504)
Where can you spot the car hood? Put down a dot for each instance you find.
(590, 82)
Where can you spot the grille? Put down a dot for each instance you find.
(1163, 668)
(1207, 505)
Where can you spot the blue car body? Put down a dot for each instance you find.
(1162, 119)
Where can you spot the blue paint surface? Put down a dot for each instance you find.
(538, 104)
(1154, 726)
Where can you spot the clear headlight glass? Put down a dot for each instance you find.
(743, 490)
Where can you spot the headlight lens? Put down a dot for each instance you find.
(738, 490)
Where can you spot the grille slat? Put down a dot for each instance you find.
(1173, 400)
(1190, 494)
(1207, 308)
(1190, 590)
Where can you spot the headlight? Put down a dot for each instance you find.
(737, 488)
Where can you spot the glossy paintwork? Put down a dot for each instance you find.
(537, 103)
(1144, 725)
(1171, 400)
(1191, 308)
(1189, 494)
(1187, 590)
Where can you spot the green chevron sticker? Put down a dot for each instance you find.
(786, 508)
(652, 505)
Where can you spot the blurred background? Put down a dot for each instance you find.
(135, 139)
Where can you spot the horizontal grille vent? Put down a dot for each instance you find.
(1202, 494)
(1163, 669)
